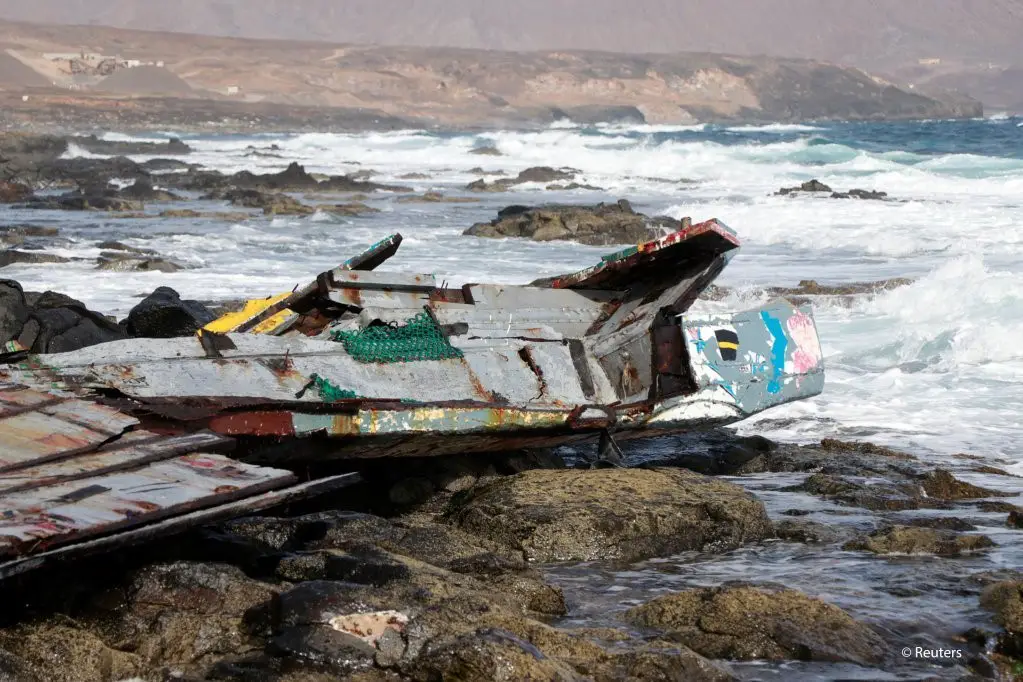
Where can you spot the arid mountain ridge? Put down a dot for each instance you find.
(443, 86)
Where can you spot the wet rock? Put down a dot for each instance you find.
(994, 471)
(572, 186)
(913, 540)
(860, 194)
(143, 190)
(1005, 600)
(943, 485)
(414, 176)
(807, 532)
(1015, 520)
(543, 174)
(489, 654)
(96, 145)
(486, 150)
(30, 230)
(59, 324)
(600, 225)
(324, 646)
(997, 507)
(940, 523)
(745, 622)
(181, 213)
(14, 309)
(434, 198)
(808, 186)
(12, 257)
(355, 208)
(628, 514)
(876, 496)
(183, 614)
(59, 652)
(809, 287)
(13, 192)
(112, 245)
(164, 315)
(127, 262)
(82, 202)
(366, 566)
(272, 203)
(162, 165)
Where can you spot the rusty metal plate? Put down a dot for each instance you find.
(35, 520)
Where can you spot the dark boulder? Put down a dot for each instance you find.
(12, 256)
(808, 186)
(13, 192)
(13, 309)
(600, 225)
(272, 203)
(95, 145)
(164, 315)
(59, 324)
(143, 190)
(747, 622)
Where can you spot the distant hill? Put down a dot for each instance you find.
(866, 33)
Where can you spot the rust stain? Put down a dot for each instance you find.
(478, 387)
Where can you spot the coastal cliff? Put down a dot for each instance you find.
(430, 86)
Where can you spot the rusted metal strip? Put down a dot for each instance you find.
(178, 524)
(153, 448)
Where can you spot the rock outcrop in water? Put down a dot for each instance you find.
(818, 188)
(600, 225)
(611, 514)
(51, 322)
(748, 622)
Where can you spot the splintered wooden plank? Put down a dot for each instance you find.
(132, 450)
(39, 519)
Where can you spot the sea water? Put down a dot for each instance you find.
(936, 366)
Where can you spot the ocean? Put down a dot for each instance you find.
(934, 367)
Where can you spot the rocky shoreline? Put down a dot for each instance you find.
(489, 567)
(439, 572)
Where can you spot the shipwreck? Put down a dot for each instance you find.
(127, 440)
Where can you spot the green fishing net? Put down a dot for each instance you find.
(329, 393)
(420, 338)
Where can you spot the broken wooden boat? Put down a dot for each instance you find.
(119, 440)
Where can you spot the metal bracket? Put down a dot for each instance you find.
(608, 452)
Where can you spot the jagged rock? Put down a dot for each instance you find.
(13, 192)
(112, 245)
(808, 186)
(164, 315)
(859, 194)
(58, 652)
(95, 145)
(11, 257)
(572, 186)
(13, 309)
(414, 176)
(158, 165)
(941, 523)
(807, 532)
(818, 187)
(59, 324)
(544, 174)
(1005, 600)
(747, 622)
(127, 262)
(80, 202)
(486, 150)
(943, 485)
(272, 203)
(628, 514)
(912, 540)
(143, 190)
(355, 208)
(600, 225)
(434, 198)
